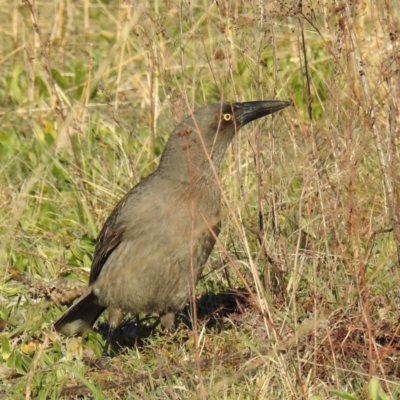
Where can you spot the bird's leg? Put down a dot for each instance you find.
(114, 319)
(168, 321)
(110, 334)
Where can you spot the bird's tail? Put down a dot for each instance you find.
(80, 317)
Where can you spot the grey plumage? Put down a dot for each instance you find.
(152, 248)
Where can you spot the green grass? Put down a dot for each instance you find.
(87, 102)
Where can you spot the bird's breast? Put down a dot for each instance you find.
(167, 240)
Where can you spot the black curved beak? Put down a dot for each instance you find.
(251, 110)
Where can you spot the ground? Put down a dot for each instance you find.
(300, 297)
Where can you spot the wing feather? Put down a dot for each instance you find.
(109, 239)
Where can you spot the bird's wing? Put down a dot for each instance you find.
(109, 239)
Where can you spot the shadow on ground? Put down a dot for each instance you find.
(211, 309)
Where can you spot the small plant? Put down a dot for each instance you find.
(375, 392)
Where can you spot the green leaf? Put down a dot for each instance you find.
(96, 392)
(343, 395)
(375, 390)
(5, 347)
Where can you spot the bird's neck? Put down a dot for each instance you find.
(190, 167)
(190, 174)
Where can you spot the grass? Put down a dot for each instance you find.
(89, 92)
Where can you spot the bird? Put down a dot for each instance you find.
(152, 248)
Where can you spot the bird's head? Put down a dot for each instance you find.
(204, 135)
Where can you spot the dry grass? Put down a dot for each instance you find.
(90, 91)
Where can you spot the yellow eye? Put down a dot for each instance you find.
(227, 117)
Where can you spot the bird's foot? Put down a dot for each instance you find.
(103, 363)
